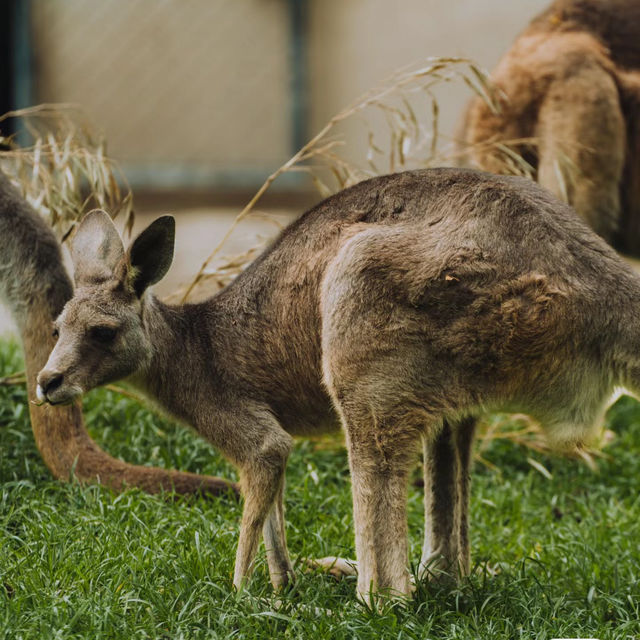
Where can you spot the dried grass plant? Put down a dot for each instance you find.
(523, 431)
(63, 170)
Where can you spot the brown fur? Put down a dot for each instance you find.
(571, 81)
(399, 309)
(34, 283)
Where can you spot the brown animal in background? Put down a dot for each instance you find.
(399, 309)
(571, 81)
(36, 287)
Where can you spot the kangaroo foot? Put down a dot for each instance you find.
(337, 567)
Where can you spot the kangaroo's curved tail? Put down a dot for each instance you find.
(35, 286)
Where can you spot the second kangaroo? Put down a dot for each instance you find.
(399, 309)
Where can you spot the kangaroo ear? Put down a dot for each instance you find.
(96, 249)
(151, 253)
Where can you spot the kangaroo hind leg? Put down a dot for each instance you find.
(447, 461)
(582, 142)
(381, 454)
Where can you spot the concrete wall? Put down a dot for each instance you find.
(208, 81)
(356, 44)
(194, 81)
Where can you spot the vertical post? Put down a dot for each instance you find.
(6, 70)
(298, 22)
(22, 59)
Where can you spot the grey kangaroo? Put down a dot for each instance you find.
(399, 309)
(35, 286)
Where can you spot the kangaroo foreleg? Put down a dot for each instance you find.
(275, 542)
(261, 450)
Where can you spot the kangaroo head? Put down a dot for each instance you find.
(100, 332)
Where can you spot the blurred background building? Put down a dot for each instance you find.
(201, 99)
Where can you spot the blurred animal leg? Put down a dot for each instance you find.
(582, 139)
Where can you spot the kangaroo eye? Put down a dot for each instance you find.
(55, 333)
(103, 334)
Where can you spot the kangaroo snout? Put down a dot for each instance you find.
(51, 387)
(49, 381)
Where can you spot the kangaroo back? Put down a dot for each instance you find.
(614, 22)
(33, 279)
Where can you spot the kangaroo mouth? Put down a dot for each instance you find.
(59, 397)
(61, 403)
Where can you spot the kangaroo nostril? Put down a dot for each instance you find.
(52, 383)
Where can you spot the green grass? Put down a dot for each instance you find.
(553, 558)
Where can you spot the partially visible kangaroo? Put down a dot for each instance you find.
(400, 309)
(571, 81)
(35, 285)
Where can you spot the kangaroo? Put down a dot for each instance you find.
(35, 285)
(399, 309)
(571, 81)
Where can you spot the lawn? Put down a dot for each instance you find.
(553, 557)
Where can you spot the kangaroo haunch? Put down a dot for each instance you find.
(399, 309)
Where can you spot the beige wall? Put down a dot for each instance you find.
(207, 81)
(355, 44)
(200, 81)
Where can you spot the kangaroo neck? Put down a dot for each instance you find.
(180, 356)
